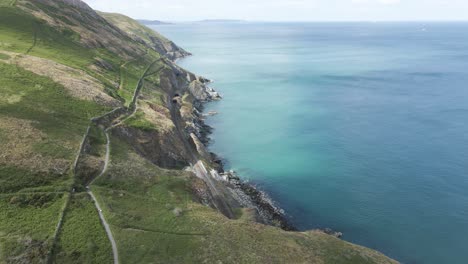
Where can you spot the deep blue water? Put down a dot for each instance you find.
(361, 127)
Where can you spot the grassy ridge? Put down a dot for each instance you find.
(22, 33)
(139, 121)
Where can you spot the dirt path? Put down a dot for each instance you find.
(136, 108)
(106, 165)
(98, 207)
(106, 227)
(140, 85)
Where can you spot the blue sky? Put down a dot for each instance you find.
(288, 10)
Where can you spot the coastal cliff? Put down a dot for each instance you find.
(111, 164)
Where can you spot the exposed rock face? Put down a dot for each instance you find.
(331, 232)
(250, 197)
(165, 150)
(202, 92)
(168, 48)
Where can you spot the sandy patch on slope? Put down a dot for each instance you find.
(18, 138)
(77, 82)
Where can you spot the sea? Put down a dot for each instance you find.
(359, 127)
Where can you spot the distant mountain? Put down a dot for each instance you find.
(152, 22)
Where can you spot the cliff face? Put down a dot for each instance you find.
(113, 114)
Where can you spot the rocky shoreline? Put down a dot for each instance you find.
(245, 193)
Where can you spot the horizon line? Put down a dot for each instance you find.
(308, 21)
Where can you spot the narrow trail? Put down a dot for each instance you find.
(122, 67)
(136, 108)
(106, 227)
(140, 84)
(106, 159)
(58, 228)
(98, 207)
(106, 165)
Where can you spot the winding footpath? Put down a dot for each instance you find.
(98, 207)
(106, 225)
(106, 165)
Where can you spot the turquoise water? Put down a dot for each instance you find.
(361, 127)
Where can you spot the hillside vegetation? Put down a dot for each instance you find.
(92, 103)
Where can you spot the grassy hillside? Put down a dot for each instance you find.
(69, 81)
(145, 35)
(82, 239)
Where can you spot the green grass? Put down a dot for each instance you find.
(19, 32)
(15, 179)
(130, 75)
(145, 199)
(83, 238)
(4, 56)
(60, 118)
(147, 206)
(138, 121)
(154, 96)
(27, 224)
(45, 102)
(7, 2)
(22, 33)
